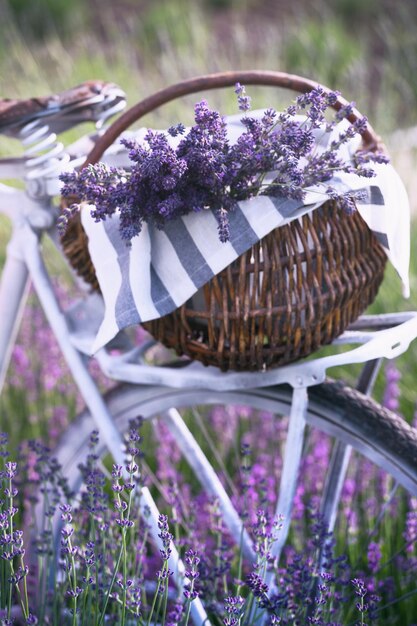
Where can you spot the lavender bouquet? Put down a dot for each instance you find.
(275, 155)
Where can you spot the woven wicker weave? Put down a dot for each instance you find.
(294, 291)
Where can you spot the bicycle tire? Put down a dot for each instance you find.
(334, 408)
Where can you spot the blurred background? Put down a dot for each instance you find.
(366, 49)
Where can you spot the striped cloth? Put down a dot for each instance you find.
(163, 269)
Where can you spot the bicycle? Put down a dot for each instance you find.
(299, 390)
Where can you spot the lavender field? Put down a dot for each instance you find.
(370, 561)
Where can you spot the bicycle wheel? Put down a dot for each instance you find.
(334, 410)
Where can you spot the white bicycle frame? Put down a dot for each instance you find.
(32, 214)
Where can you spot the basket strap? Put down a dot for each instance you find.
(371, 141)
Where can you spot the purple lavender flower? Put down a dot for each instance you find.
(392, 390)
(243, 100)
(259, 589)
(360, 591)
(410, 531)
(205, 172)
(374, 556)
(233, 606)
(175, 615)
(165, 536)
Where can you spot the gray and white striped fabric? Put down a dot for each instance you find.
(163, 269)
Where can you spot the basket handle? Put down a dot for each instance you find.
(371, 141)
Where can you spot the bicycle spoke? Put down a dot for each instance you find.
(291, 466)
(335, 479)
(208, 478)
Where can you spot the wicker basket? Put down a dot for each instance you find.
(294, 291)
